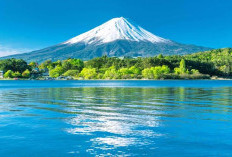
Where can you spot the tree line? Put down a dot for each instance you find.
(194, 66)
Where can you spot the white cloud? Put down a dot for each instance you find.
(6, 50)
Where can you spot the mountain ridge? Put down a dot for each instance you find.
(117, 37)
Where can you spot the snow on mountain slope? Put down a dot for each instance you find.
(116, 29)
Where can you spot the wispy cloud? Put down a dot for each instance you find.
(6, 50)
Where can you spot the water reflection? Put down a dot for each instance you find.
(111, 121)
(115, 141)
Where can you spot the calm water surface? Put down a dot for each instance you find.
(115, 118)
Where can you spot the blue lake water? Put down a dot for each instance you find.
(115, 118)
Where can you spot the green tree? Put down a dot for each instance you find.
(88, 73)
(148, 73)
(194, 71)
(77, 64)
(9, 74)
(26, 74)
(111, 73)
(125, 73)
(182, 66)
(33, 65)
(160, 56)
(14, 65)
(17, 74)
(135, 70)
(73, 73)
(160, 71)
(66, 65)
(46, 65)
(56, 72)
(58, 63)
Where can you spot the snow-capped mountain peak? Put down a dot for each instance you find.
(116, 29)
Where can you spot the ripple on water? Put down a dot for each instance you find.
(116, 121)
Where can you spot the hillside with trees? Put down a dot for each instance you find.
(202, 65)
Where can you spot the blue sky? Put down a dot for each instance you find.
(33, 24)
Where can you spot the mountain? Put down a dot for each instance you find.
(117, 37)
(116, 29)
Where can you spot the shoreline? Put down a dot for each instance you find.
(218, 79)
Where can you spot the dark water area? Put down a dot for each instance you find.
(115, 118)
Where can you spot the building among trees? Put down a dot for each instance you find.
(1, 74)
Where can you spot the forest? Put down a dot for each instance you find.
(202, 65)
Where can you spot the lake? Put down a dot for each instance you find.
(115, 118)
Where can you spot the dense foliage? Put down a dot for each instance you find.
(199, 65)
